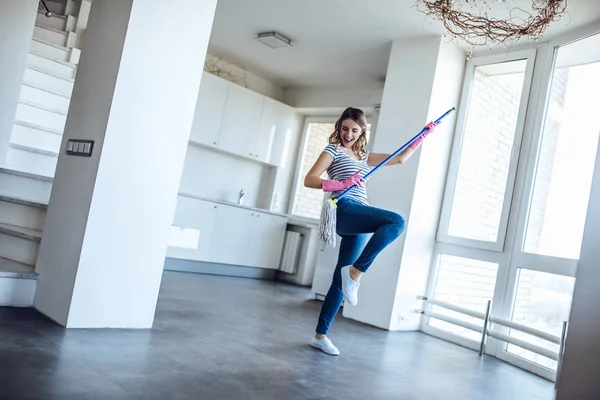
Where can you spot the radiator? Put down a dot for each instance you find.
(291, 252)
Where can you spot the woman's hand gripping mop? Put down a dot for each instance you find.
(328, 212)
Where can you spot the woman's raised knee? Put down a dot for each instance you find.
(398, 223)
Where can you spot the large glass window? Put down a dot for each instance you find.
(566, 161)
(479, 196)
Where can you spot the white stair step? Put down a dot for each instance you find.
(36, 95)
(17, 283)
(19, 244)
(21, 212)
(54, 36)
(56, 21)
(48, 81)
(25, 185)
(57, 68)
(53, 51)
(40, 115)
(31, 135)
(31, 160)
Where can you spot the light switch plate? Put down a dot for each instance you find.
(80, 147)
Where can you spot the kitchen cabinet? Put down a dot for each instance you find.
(274, 133)
(268, 232)
(228, 234)
(192, 229)
(230, 242)
(241, 119)
(206, 126)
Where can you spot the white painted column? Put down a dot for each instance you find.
(107, 229)
(581, 362)
(424, 79)
(17, 19)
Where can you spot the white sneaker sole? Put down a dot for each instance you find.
(323, 350)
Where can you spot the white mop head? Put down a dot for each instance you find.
(328, 220)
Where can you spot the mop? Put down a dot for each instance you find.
(328, 212)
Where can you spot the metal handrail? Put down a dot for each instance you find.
(453, 307)
(485, 331)
(44, 6)
(523, 328)
(454, 321)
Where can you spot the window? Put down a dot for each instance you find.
(307, 202)
(566, 163)
(542, 301)
(534, 238)
(467, 283)
(483, 168)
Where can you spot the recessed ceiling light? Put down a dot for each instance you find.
(274, 40)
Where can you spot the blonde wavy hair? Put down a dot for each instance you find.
(357, 115)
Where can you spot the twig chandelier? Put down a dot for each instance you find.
(468, 20)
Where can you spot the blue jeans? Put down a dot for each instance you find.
(354, 222)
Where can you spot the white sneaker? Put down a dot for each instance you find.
(349, 286)
(325, 345)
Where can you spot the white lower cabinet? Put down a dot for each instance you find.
(192, 229)
(226, 234)
(267, 236)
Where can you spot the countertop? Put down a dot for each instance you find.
(292, 219)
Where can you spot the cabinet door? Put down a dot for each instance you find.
(230, 244)
(241, 120)
(209, 110)
(269, 234)
(269, 123)
(283, 134)
(192, 229)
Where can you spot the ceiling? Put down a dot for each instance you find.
(335, 42)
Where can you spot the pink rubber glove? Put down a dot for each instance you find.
(430, 128)
(335, 186)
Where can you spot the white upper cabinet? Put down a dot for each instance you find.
(212, 96)
(241, 120)
(283, 135)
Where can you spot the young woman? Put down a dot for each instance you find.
(346, 160)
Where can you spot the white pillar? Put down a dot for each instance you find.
(17, 19)
(581, 362)
(107, 229)
(423, 81)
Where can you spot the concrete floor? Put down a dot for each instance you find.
(231, 338)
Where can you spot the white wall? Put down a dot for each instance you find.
(107, 228)
(328, 97)
(252, 81)
(220, 176)
(429, 189)
(581, 362)
(17, 19)
(415, 66)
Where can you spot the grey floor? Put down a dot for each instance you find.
(231, 338)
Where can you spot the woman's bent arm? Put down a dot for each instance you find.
(312, 178)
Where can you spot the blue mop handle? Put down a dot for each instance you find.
(397, 152)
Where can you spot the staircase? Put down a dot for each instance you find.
(26, 174)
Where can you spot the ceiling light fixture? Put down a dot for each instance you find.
(274, 40)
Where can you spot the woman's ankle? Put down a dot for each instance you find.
(355, 274)
(319, 336)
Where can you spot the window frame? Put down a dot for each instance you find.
(499, 245)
